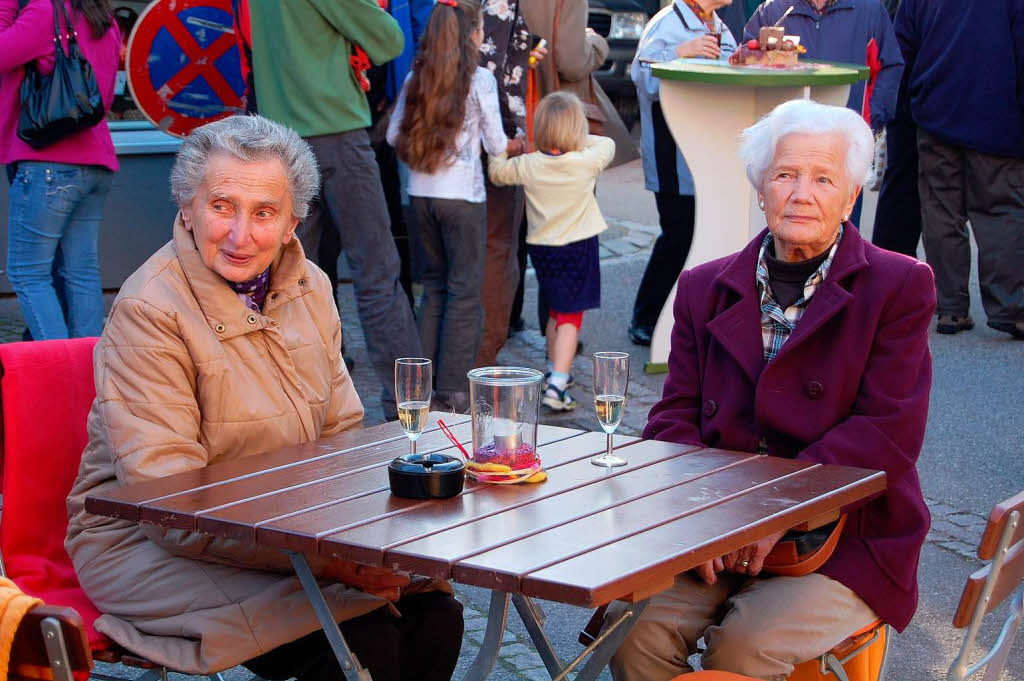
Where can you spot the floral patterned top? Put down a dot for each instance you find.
(505, 52)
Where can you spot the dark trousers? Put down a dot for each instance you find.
(898, 215)
(957, 184)
(501, 269)
(451, 239)
(421, 645)
(351, 201)
(676, 216)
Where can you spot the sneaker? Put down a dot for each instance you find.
(558, 400)
(1015, 330)
(949, 323)
(547, 379)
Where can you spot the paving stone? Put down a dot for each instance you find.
(535, 674)
(620, 246)
(531, 661)
(961, 548)
(476, 624)
(603, 252)
(639, 240)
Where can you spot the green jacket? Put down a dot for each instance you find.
(300, 52)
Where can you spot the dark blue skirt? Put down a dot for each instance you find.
(569, 275)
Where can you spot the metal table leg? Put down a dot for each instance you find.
(497, 614)
(349, 664)
(533, 619)
(600, 651)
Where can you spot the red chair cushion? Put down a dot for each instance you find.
(46, 392)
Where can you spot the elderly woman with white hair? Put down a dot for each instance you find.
(224, 344)
(808, 344)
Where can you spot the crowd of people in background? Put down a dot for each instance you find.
(448, 83)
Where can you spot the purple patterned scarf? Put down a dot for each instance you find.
(254, 291)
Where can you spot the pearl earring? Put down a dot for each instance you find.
(760, 203)
(846, 218)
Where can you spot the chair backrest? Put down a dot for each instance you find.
(1003, 544)
(46, 392)
(36, 646)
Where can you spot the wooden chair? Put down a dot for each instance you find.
(1003, 544)
(46, 391)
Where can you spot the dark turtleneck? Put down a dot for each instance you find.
(787, 279)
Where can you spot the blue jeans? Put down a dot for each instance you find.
(53, 233)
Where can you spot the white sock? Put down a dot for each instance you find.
(558, 380)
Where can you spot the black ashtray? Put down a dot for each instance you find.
(426, 476)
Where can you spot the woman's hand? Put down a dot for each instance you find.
(537, 55)
(709, 571)
(750, 559)
(379, 581)
(701, 46)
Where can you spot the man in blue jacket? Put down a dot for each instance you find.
(840, 30)
(966, 88)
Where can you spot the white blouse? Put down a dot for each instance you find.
(463, 176)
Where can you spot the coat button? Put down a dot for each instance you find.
(815, 390)
(219, 328)
(710, 408)
(251, 319)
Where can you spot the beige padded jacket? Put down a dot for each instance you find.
(186, 376)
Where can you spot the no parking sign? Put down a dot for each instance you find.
(183, 64)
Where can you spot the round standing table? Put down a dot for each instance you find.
(706, 105)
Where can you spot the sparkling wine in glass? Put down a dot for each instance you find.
(413, 385)
(611, 377)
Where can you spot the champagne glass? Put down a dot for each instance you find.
(413, 385)
(611, 376)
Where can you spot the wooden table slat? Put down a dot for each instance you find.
(618, 569)
(125, 502)
(646, 473)
(259, 494)
(503, 567)
(368, 543)
(302, 532)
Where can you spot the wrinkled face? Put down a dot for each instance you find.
(806, 193)
(240, 216)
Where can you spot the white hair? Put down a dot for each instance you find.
(805, 116)
(250, 139)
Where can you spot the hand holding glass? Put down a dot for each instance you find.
(413, 386)
(611, 377)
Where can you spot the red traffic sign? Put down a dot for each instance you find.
(183, 64)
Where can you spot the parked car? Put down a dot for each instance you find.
(620, 22)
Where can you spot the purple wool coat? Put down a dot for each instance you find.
(849, 387)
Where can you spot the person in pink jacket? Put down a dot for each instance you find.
(57, 192)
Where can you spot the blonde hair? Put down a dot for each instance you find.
(560, 123)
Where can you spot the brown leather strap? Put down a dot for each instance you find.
(553, 52)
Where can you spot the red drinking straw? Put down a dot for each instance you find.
(448, 433)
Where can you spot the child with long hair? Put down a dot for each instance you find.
(447, 107)
(563, 221)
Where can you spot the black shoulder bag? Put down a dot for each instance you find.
(64, 102)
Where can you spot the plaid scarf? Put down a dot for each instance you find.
(254, 291)
(777, 324)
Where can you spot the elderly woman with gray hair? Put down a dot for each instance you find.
(225, 343)
(808, 344)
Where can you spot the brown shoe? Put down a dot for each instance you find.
(949, 323)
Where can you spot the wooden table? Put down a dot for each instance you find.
(707, 104)
(586, 537)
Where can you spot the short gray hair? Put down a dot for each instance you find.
(805, 116)
(247, 138)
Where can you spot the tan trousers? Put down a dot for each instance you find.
(758, 627)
